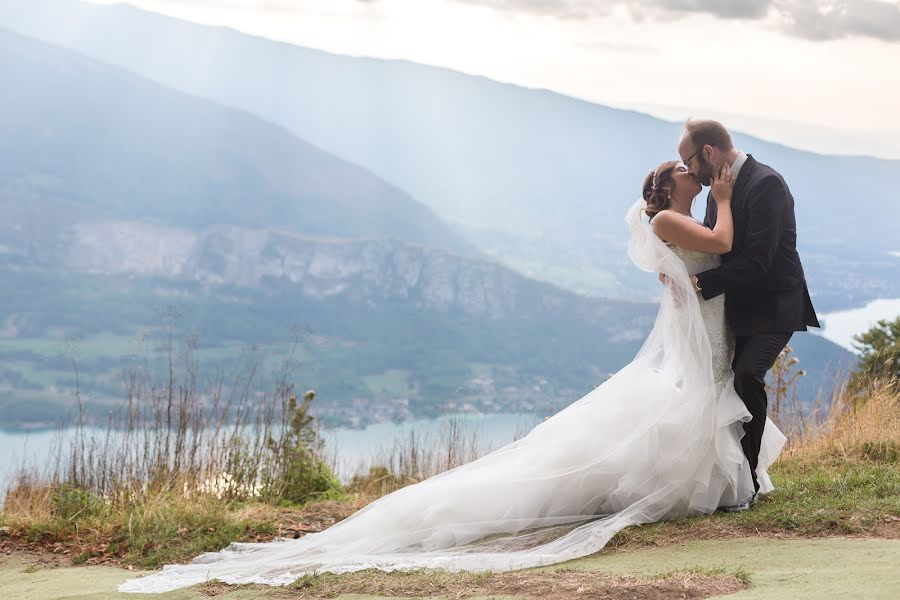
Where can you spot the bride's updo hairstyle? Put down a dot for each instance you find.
(658, 188)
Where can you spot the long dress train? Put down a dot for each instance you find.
(659, 439)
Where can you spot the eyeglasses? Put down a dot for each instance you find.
(696, 152)
(688, 160)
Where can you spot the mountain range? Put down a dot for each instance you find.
(535, 179)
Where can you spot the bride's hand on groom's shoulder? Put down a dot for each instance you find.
(723, 184)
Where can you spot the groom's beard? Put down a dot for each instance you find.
(704, 172)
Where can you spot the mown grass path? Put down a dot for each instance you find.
(794, 568)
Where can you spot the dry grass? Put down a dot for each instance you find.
(166, 479)
(173, 435)
(556, 585)
(418, 456)
(862, 424)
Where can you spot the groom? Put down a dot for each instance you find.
(766, 298)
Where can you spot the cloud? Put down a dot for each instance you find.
(630, 48)
(829, 21)
(262, 5)
(566, 9)
(810, 19)
(735, 9)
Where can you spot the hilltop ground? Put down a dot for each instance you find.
(743, 567)
(832, 528)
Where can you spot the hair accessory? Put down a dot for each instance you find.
(655, 172)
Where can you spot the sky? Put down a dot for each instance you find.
(819, 75)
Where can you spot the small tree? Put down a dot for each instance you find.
(879, 352)
(783, 379)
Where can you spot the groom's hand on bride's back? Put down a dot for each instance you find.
(695, 282)
(676, 295)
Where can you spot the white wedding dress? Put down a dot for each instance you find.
(659, 439)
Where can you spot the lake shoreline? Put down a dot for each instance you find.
(840, 326)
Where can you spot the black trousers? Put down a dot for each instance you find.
(754, 355)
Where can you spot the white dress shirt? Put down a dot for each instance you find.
(738, 163)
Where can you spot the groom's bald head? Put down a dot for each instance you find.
(703, 132)
(704, 145)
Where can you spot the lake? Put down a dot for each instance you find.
(350, 450)
(840, 326)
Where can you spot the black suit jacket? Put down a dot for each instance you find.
(762, 278)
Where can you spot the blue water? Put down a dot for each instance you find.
(349, 450)
(840, 326)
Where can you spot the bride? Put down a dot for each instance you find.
(659, 439)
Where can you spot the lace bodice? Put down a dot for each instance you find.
(696, 262)
(721, 340)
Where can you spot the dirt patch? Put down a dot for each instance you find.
(885, 531)
(295, 523)
(213, 589)
(558, 585)
(664, 534)
(50, 553)
(48, 557)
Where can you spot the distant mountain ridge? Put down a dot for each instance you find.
(77, 132)
(363, 271)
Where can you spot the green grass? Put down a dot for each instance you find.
(739, 573)
(160, 531)
(159, 537)
(811, 498)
